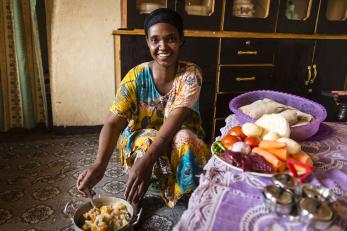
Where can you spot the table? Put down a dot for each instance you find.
(227, 199)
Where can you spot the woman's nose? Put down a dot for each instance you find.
(162, 44)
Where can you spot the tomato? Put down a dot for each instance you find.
(229, 140)
(252, 141)
(237, 131)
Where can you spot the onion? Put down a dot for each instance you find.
(241, 147)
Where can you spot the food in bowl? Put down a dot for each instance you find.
(265, 106)
(298, 132)
(258, 155)
(106, 218)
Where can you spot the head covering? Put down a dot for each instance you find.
(164, 15)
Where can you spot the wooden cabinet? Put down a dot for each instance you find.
(330, 73)
(310, 68)
(293, 64)
(294, 46)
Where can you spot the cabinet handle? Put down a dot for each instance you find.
(247, 52)
(245, 78)
(308, 75)
(315, 72)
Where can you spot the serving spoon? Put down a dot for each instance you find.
(89, 194)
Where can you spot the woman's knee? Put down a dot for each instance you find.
(183, 136)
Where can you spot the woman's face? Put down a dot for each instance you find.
(164, 43)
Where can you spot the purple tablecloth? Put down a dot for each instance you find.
(227, 199)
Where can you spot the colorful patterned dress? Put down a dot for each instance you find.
(139, 101)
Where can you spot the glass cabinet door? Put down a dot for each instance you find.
(200, 14)
(147, 6)
(250, 15)
(336, 10)
(134, 12)
(297, 16)
(199, 7)
(332, 17)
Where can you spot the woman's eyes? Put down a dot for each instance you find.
(154, 40)
(171, 39)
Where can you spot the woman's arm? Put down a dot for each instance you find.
(109, 134)
(140, 173)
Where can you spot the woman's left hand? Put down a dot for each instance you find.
(139, 179)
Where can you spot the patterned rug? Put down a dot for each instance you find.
(38, 171)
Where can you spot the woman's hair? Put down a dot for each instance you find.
(164, 15)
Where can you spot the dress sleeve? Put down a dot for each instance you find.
(124, 104)
(188, 92)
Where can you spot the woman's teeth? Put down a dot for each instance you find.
(163, 55)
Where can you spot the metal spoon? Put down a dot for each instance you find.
(90, 196)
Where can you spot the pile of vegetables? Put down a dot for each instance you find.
(263, 146)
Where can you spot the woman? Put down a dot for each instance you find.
(155, 118)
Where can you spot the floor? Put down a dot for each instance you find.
(38, 171)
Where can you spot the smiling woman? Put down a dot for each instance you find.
(155, 119)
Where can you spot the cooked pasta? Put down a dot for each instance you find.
(107, 218)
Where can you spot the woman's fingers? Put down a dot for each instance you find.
(85, 182)
(128, 187)
(80, 181)
(133, 190)
(141, 192)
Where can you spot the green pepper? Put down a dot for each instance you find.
(218, 147)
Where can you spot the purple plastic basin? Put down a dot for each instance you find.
(305, 105)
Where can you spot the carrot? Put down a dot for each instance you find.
(270, 144)
(282, 167)
(303, 157)
(281, 153)
(269, 157)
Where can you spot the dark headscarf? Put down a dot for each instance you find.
(164, 15)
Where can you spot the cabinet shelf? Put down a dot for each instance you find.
(229, 34)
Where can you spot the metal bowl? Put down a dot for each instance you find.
(279, 200)
(78, 219)
(318, 192)
(317, 214)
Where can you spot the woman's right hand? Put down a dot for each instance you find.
(89, 177)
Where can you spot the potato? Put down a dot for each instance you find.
(251, 129)
(271, 135)
(293, 147)
(274, 123)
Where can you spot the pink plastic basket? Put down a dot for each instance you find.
(305, 105)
